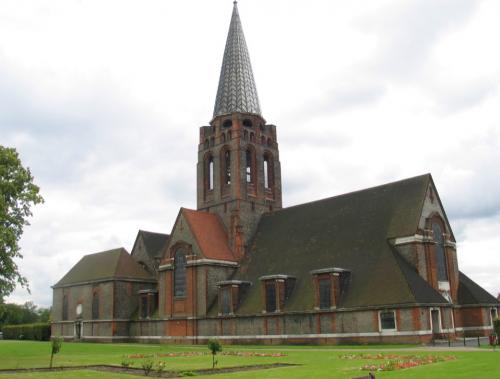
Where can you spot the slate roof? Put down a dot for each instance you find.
(350, 231)
(237, 91)
(470, 293)
(107, 265)
(153, 242)
(210, 234)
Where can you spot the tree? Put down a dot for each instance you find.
(55, 347)
(214, 346)
(17, 195)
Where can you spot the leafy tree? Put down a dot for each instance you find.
(214, 346)
(14, 314)
(17, 194)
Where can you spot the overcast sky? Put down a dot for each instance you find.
(103, 100)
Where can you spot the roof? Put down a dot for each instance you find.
(153, 242)
(470, 293)
(350, 231)
(106, 265)
(237, 91)
(210, 234)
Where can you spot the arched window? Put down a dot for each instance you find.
(269, 142)
(252, 137)
(442, 271)
(209, 172)
(245, 135)
(247, 123)
(250, 174)
(65, 308)
(95, 306)
(226, 166)
(223, 137)
(212, 141)
(206, 145)
(268, 171)
(227, 124)
(180, 273)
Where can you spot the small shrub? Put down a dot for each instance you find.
(160, 367)
(187, 373)
(214, 346)
(496, 325)
(126, 362)
(147, 366)
(55, 347)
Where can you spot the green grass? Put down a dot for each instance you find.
(315, 362)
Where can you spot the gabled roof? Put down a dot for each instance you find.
(237, 91)
(153, 242)
(350, 231)
(210, 234)
(107, 265)
(470, 293)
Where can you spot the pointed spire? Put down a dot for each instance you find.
(237, 91)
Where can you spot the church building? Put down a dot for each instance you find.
(377, 265)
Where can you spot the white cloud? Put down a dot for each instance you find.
(104, 100)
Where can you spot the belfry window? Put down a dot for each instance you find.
(249, 166)
(227, 167)
(95, 306)
(180, 273)
(209, 173)
(442, 272)
(268, 171)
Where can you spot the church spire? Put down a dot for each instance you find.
(237, 91)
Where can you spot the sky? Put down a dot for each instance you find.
(104, 99)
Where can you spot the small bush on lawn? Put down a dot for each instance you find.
(36, 332)
(214, 346)
(147, 366)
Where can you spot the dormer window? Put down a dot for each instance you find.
(329, 284)
(231, 293)
(276, 290)
(227, 123)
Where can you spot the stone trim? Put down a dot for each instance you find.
(117, 279)
(328, 270)
(232, 282)
(467, 328)
(295, 336)
(412, 239)
(201, 262)
(276, 277)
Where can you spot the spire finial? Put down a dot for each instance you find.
(237, 91)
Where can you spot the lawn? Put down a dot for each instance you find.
(316, 362)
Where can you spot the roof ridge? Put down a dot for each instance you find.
(347, 194)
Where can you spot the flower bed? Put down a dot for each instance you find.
(200, 353)
(397, 362)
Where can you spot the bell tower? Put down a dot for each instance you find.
(238, 171)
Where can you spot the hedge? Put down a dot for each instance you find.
(38, 332)
(496, 324)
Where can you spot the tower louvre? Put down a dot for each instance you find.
(238, 172)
